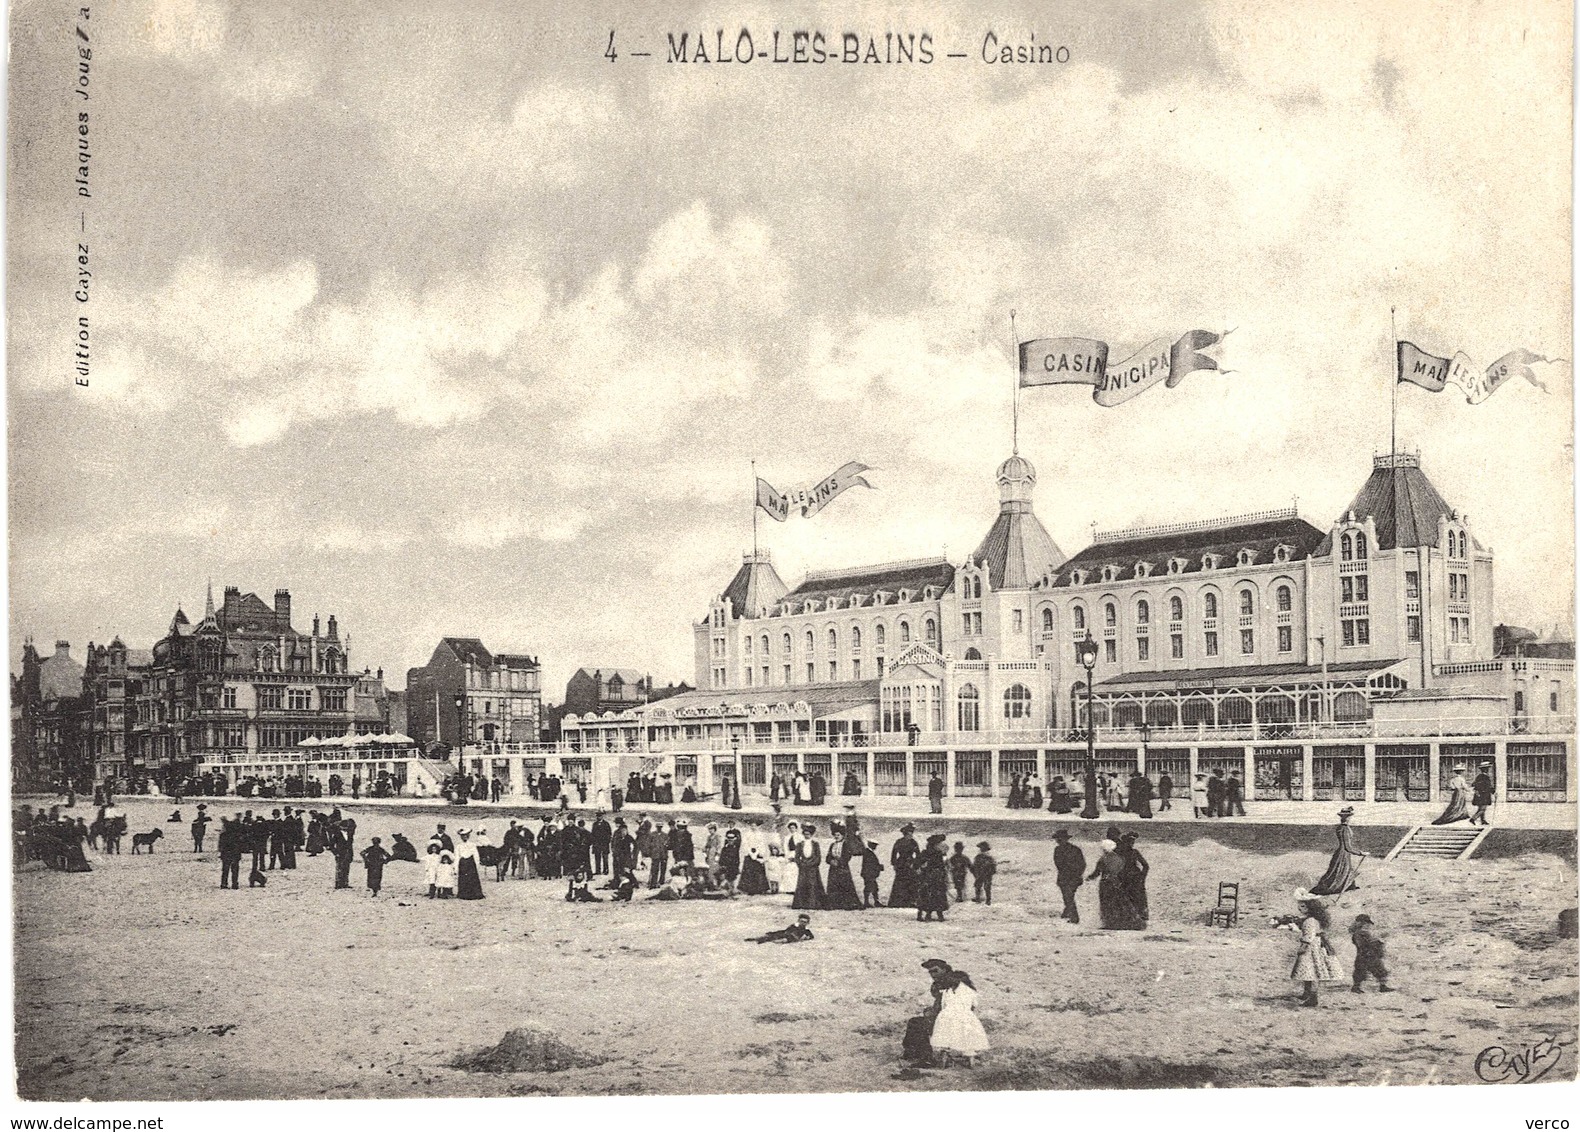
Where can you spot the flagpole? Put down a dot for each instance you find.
(1393, 364)
(754, 510)
(1014, 368)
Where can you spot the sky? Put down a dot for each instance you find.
(441, 319)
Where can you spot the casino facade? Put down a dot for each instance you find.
(1352, 662)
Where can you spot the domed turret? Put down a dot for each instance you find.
(1017, 549)
(1016, 478)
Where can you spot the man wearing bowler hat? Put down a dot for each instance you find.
(1069, 864)
(1481, 793)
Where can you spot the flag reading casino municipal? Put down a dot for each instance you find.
(1084, 361)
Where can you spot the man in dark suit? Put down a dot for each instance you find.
(1069, 865)
(602, 836)
(1234, 797)
(1165, 792)
(256, 833)
(1215, 792)
(624, 846)
(278, 832)
(658, 855)
(935, 793)
(1481, 794)
(680, 844)
(231, 845)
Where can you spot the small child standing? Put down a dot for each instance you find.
(870, 868)
(983, 868)
(959, 868)
(1368, 955)
(374, 857)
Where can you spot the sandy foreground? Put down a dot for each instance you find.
(143, 980)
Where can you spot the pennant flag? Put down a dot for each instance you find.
(1434, 373)
(811, 500)
(772, 501)
(1084, 361)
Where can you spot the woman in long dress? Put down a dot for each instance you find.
(1059, 796)
(841, 894)
(1456, 810)
(1314, 962)
(1112, 904)
(1134, 880)
(1345, 862)
(809, 878)
(754, 873)
(902, 859)
(932, 880)
(957, 1032)
(468, 881)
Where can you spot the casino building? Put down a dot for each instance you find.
(1353, 661)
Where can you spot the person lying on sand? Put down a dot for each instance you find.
(798, 932)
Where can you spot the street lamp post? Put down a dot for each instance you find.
(1146, 734)
(460, 731)
(1086, 653)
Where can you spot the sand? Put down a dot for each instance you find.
(144, 980)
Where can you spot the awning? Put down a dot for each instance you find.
(1244, 676)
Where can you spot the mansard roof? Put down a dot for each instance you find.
(889, 577)
(1191, 542)
(1401, 502)
(756, 585)
(1017, 551)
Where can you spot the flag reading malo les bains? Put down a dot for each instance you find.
(1434, 373)
(811, 500)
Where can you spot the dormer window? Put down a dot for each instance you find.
(1111, 573)
(1211, 561)
(1143, 569)
(1247, 556)
(1078, 577)
(905, 595)
(1176, 565)
(1283, 552)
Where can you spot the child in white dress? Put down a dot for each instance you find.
(957, 1032)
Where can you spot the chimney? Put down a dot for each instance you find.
(381, 674)
(334, 631)
(315, 624)
(63, 648)
(282, 606)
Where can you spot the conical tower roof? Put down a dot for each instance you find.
(756, 585)
(1401, 502)
(1017, 550)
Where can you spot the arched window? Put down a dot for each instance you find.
(1360, 545)
(880, 635)
(811, 645)
(1047, 620)
(1017, 702)
(1143, 613)
(905, 632)
(1346, 549)
(1464, 552)
(1078, 617)
(1110, 614)
(787, 644)
(855, 638)
(765, 644)
(833, 641)
(970, 709)
(1210, 607)
(1176, 609)
(1246, 604)
(748, 644)
(1284, 602)
(930, 632)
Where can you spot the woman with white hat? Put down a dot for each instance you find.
(1460, 794)
(468, 880)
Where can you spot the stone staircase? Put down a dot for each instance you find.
(1445, 842)
(432, 772)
